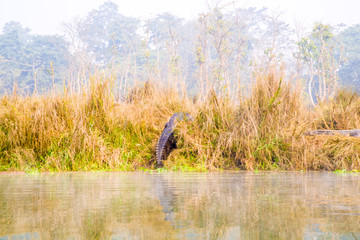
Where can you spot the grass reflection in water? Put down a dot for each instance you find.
(242, 205)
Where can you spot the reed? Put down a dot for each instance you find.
(265, 131)
(91, 131)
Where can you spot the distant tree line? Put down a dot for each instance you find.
(30, 63)
(220, 50)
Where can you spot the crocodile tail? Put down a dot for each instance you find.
(168, 133)
(161, 144)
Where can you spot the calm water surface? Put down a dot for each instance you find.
(230, 205)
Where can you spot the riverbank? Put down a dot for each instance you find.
(91, 131)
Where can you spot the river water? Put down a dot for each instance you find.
(140, 205)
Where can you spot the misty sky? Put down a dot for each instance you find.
(45, 16)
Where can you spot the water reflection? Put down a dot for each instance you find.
(241, 205)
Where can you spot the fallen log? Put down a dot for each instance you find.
(350, 133)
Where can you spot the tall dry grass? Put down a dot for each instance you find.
(91, 131)
(87, 131)
(265, 130)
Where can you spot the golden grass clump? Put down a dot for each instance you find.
(92, 131)
(343, 112)
(87, 131)
(254, 134)
(265, 131)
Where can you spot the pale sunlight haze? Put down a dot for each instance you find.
(45, 17)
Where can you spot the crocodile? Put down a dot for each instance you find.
(167, 140)
(351, 133)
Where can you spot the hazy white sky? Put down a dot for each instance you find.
(45, 16)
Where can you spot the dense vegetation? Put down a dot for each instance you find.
(90, 131)
(98, 98)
